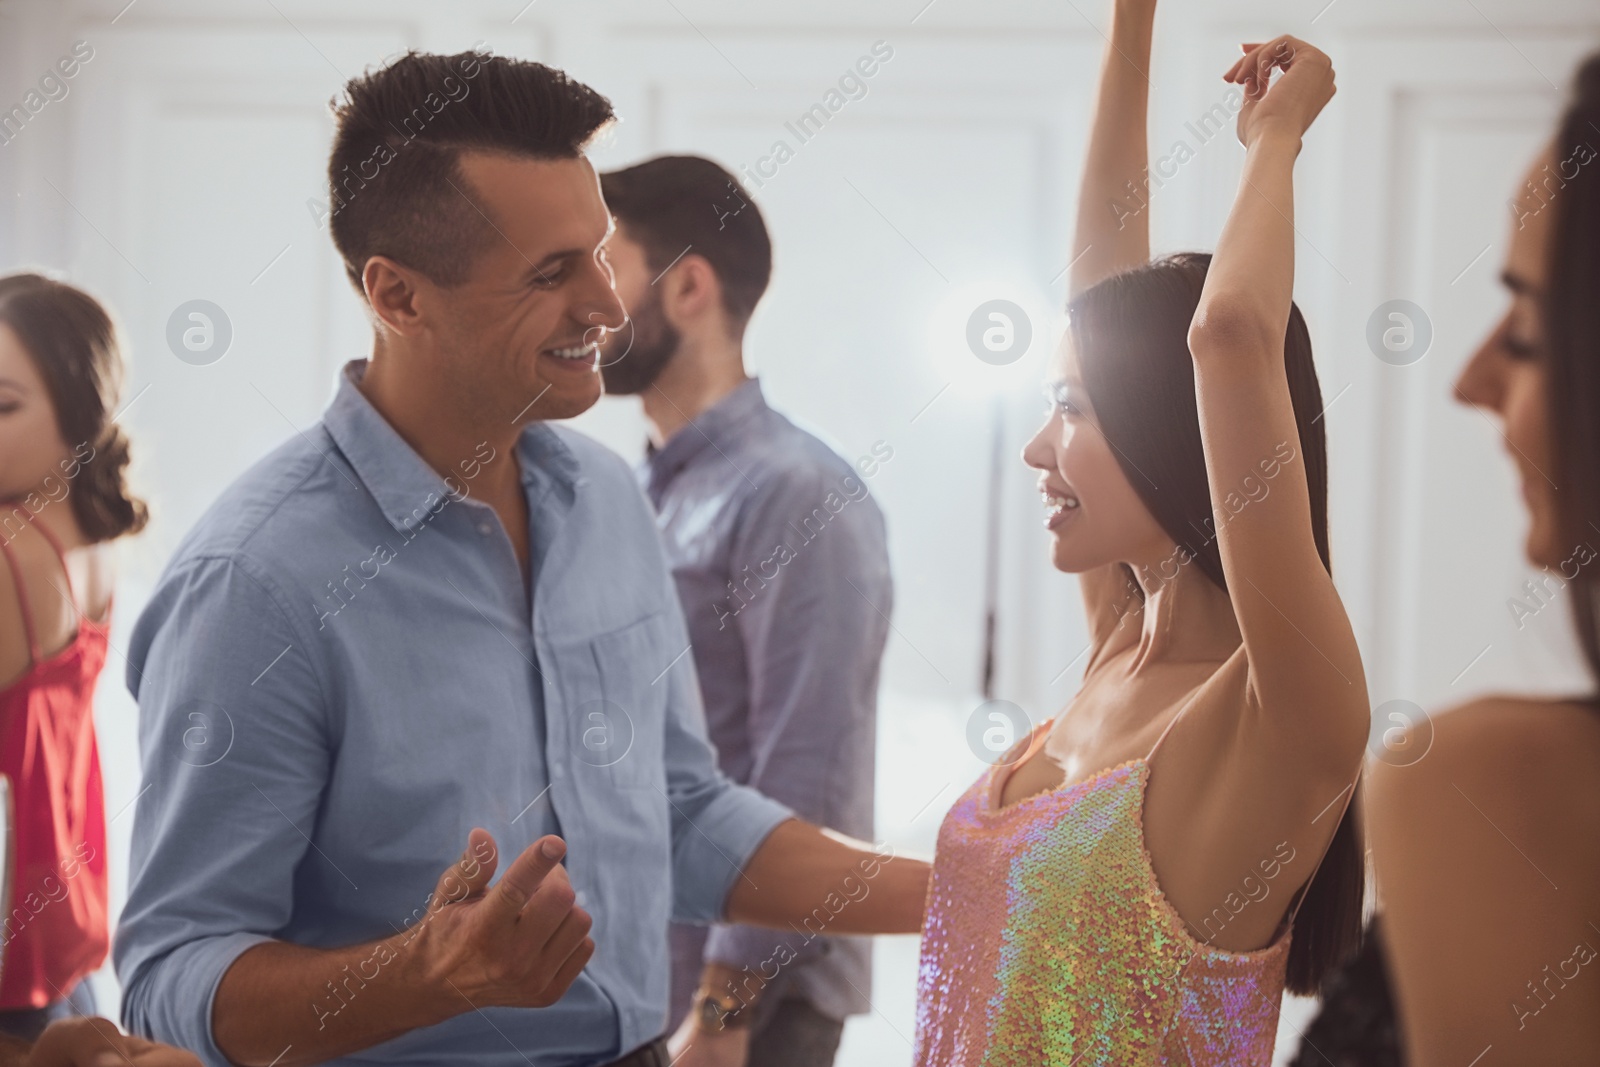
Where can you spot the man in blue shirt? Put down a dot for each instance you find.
(435, 622)
(781, 563)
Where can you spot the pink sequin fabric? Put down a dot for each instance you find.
(1048, 942)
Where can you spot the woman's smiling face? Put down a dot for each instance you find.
(1507, 374)
(1094, 515)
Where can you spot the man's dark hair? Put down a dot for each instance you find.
(394, 176)
(676, 204)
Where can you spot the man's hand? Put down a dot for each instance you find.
(97, 1043)
(691, 1046)
(520, 944)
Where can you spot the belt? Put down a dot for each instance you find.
(653, 1054)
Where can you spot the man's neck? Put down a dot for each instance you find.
(695, 379)
(452, 441)
(451, 446)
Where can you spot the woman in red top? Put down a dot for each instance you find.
(62, 500)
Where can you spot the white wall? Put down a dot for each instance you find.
(180, 164)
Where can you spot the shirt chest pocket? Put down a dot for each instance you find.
(616, 708)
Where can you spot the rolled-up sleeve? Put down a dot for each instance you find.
(813, 637)
(234, 742)
(717, 825)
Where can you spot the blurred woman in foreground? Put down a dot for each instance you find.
(1487, 849)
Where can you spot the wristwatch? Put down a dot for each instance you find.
(719, 1012)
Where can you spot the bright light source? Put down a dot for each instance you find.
(993, 338)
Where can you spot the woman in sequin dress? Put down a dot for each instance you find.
(1133, 884)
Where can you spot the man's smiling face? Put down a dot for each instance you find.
(519, 335)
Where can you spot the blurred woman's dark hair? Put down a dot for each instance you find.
(1131, 334)
(73, 342)
(1572, 345)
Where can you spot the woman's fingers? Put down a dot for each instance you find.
(1246, 48)
(1254, 69)
(1275, 53)
(1236, 72)
(1247, 70)
(1282, 54)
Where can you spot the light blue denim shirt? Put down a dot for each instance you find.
(339, 676)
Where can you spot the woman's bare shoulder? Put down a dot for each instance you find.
(1490, 735)
(44, 589)
(1529, 768)
(1487, 859)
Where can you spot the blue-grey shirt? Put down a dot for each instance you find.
(339, 676)
(781, 562)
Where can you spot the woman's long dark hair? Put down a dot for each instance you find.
(1131, 332)
(72, 341)
(1573, 346)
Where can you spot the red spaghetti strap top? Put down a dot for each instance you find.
(55, 926)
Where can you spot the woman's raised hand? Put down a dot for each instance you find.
(1290, 103)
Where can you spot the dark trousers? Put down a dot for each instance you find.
(652, 1055)
(787, 1032)
(794, 1034)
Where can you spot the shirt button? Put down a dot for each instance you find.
(485, 529)
(581, 899)
(557, 771)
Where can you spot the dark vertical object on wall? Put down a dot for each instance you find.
(991, 575)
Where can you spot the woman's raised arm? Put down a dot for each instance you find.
(1113, 221)
(1305, 668)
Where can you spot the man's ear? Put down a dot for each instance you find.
(693, 291)
(394, 292)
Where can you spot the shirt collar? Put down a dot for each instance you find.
(400, 480)
(711, 428)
